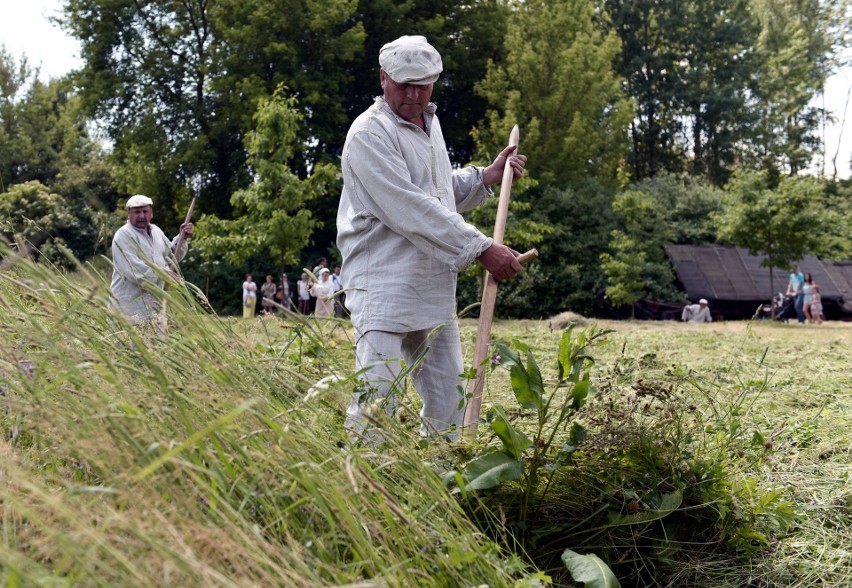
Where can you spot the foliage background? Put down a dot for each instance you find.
(637, 117)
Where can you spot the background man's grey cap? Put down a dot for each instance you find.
(139, 200)
(411, 60)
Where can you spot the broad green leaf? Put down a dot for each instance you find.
(563, 356)
(580, 391)
(514, 441)
(577, 436)
(589, 569)
(489, 469)
(526, 392)
(535, 383)
(669, 503)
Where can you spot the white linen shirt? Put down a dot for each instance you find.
(693, 313)
(134, 252)
(398, 225)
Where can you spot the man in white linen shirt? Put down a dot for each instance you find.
(403, 242)
(138, 247)
(697, 313)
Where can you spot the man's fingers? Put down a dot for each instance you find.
(507, 151)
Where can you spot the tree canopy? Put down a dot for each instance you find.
(634, 115)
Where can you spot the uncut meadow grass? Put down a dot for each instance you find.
(195, 459)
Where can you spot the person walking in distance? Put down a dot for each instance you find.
(795, 291)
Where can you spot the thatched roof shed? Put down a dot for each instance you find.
(735, 283)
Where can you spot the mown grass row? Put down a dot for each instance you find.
(751, 423)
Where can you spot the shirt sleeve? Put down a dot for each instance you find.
(469, 188)
(390, 195)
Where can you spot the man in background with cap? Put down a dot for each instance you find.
(403, 242)
(697, 313)
(137, 248)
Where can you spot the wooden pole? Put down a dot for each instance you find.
(489, 297)
(182, 235)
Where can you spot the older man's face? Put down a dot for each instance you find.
(409, 101)
(140, 217)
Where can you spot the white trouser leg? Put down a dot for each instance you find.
(437, 378)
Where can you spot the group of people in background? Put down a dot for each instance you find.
(319, 294)
(806, 296)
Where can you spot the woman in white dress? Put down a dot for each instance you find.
(324, 291)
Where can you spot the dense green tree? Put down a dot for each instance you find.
(624, 269)
(795, 48)
(651, 214)
(42, 131)
(670, 208)
(557, 84)
(15, 77)
(44, 138)
(274, 213)
(783, 223)
(46, 223)
(582, 218)
(176, 84)
(718, 81)
(837, 202)
(717, 62)
(648, 62)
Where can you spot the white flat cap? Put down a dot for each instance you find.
(139, 200)
(411, 60)
(702, 301)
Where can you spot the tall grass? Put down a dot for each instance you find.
(195, 459)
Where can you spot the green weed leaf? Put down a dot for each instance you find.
(580, 391)
(562, 457)
(489, 469)
(563, 356)
(669, 503)
(514, 441)
(526, 383)
(589, 569)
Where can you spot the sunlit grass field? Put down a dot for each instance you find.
(215, 455)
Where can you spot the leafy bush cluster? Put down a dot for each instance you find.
(650, 467)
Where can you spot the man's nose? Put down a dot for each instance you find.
(413, 91)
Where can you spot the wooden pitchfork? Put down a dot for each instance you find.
(489, 297)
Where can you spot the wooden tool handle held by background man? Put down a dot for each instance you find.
(182, 235)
